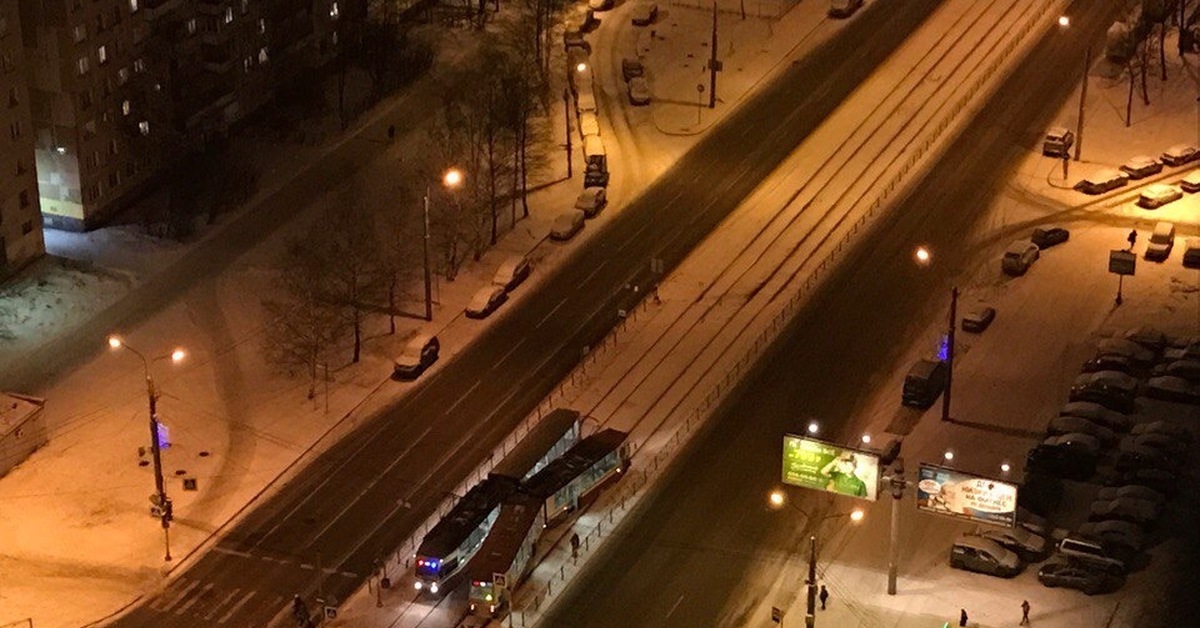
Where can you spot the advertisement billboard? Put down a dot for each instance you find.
(815, 464)
(954, 493)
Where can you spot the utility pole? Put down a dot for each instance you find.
(1087, 64)
(713, 64)
(165, 513)
(428, 273)
(898, 484)
(567, 118)
(811, 618)
(950, 354)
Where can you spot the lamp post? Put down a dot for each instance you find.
(777, 499)
(1064, 22)
(160, 498)
(451, 179)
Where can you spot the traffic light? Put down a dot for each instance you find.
(168, 511)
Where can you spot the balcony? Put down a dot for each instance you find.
(155, 9)
(217, 59)
(217, 35)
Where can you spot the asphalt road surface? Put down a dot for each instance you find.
(361, 499)
(688, 556)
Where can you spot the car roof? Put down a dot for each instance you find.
(1159, 188)
(1179, 148)
(420, 340)
(1141, 160)
(981, 543)
(1057, 131)
(1018, 246)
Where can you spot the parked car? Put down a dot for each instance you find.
(589, 124)
(1078, 425)
(924, 383)
(1102, 181)
(1125, 348)
(595, 176)
(972, 553)
(1111, 389)
(573, 38)
(1028, 546)
(1116, 535)
(591, 201)
(1165, 480)
(1118, 363)
(600, 5)
(1046, 237)
(512, 272)
(585, 102)
(632, 68)
(1124, 509)
(1161, 241)
(844, 8)
(1136, 457)
(1157, 195)
(1092, 552)
(486, 301)
(1147, 336)
(567, 225)
(1191, 183)
(1172, 388)
(1063, 462)
(1133, 491)
(639, 91)
(645, 14)
(1174, 430)
(1160, 442)
(1141, 166)
(1076, 575)
(1018, 257)
(1097, 413)
(1075, 440)
(1180, 154)
(419, 353)
(1191, 253)
(979, 319)
(1058, 142)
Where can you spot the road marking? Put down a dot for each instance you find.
(195, 598)
(236, 607)
(462, 398)
(223, 602)
(165, 604)
(674, 606)
(551, 313)
(508, 353)
(222, 550)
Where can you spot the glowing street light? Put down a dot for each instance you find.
(922, 256)
(1064, 21)
(581, 68)
(813, 428)
(1005, 468)
(857, 515)
(866, 439)
(776, 499)
(452, 178)
(949, 455)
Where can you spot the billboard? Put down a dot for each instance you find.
(962, 495)
(815, 464)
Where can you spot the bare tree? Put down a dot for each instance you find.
(400, 239)
(302, 328)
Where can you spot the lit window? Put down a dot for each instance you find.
(80, 32)
(191, 26)
(125, 107)
(245, 6)
(139, 65)
(102, 54)
(144, 127)
(228, 14)
(335, 38)
(333, 10)
(246, 63)
(262, 55)
(14, 129)
(122, 76)
(133, 6)
(82, 65)
(262, 26)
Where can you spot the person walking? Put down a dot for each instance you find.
(575, 545)
(1024, 612)
(824, 596)
(300, 612)
(962, 617)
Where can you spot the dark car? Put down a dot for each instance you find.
(418, 355)
(632, 68)
(1161, 480)
(976, 321)
(575, 39)
(595, 177)
(1046, 237)
(1138, 457)
(1070, 463)
(1111, 389)
(1077, 575)
(1117, 363)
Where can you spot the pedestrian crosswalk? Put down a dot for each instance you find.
(205, 601)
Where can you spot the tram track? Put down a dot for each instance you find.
(782, 225)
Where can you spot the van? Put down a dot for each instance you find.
(1093, 552)
(924, 383)
(593, 152)
(1191, 253)
(1161, 241)
(1058, 142)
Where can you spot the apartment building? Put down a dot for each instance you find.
(123, 88)
(20, 222)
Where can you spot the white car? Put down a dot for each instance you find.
(1102, 181)
(639, 91)
(1097, 413)
(419, 353)
(591, 201)
(1180, 154)
(1058, 142)
(600, 5)
(1142, 166)
(1082, 442)
(1191, 183)
(1134, 491)
(588, 123)
(485, 301)
(1157, 195)
(645, 14)
(585, 101)
(512, 272)
(1074, 424)
(567, 225)
(1018, 257)
(1174, 430)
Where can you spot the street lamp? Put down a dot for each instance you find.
(922, 256)
(581, 68)
(777, 499)
(813, 427)
(451, 179)
(160, 498)
(1064, 21)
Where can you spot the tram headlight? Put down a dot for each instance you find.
(433, 587)
(418, 585)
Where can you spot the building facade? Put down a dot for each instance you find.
(20, 221)
(123, 88)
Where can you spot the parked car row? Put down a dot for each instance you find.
(1058, 142)
(1021, 254)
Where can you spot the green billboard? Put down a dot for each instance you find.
(810, 463)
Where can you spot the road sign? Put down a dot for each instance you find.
(1122, 262)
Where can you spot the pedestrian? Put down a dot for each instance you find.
(300, 611)
(1024, 612)
(391, 132)
(824, 596)
(574, 545)
(962, 617)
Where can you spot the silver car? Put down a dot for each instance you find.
(1097, 413)
(567, 225)
(1018, 257)
(639, 91)
(591, 201)
(1069, 424)
(1124, 509)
